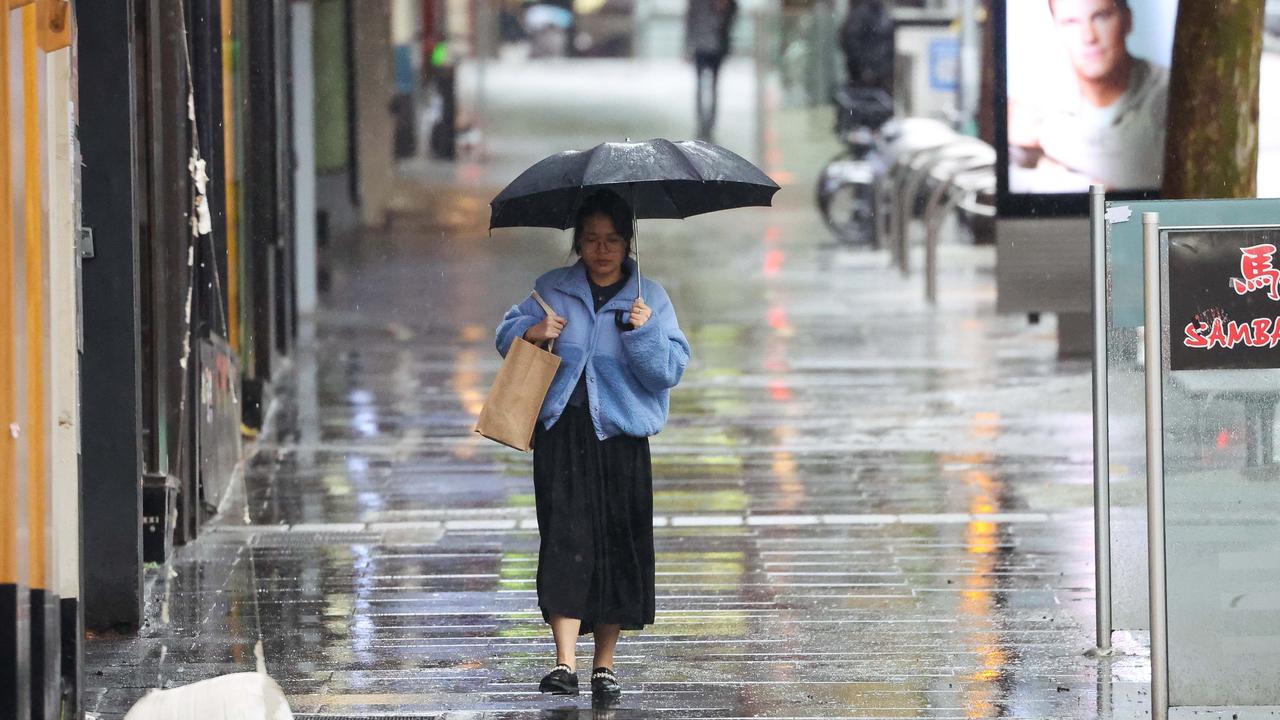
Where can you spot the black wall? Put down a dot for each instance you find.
(110, 376)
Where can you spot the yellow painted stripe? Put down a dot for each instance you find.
(232, 185)
(34, 432)
(8, 454)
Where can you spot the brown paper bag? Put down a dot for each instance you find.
(514, 401)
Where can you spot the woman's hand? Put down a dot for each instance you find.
(549, 329)
(640, 313)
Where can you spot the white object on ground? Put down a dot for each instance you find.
(240, 696)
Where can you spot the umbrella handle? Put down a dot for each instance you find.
(639, 276)
(635, 245)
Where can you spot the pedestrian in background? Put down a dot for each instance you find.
(866, 39)
(621, 352)
(707, 27)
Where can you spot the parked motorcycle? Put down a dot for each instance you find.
(846, 187)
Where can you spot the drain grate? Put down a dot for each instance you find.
(381, 716)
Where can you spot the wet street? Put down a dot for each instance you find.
(865, 507)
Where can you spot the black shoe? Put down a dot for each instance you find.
(560, 681)
(604, 685)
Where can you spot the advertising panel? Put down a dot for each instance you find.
(1084, 98)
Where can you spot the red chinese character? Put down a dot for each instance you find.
(1257, 272)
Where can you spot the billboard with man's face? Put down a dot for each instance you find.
(1085, 99)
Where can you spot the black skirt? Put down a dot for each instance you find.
(595, 520)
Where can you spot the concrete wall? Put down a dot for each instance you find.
(331, 85)
(333, 125)
(374, 126)
(406, 21)
(63, 422)
(304, 139)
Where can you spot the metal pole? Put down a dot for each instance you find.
(1101, 449)
(894, 210)
(1155, 465)
(304, 143)
(911, 185)
(761, 47)
(635, 241)
(904, 238)
(812, 41)
(932, 221)
(935, 210)
(826, 42)
(481, 52)
(902, 213)
(969, 78)
(941, 201)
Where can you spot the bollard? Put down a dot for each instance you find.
(1155, 465)
(1101, 448)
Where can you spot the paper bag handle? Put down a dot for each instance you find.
(551, 344)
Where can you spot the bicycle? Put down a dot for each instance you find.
(846, 192)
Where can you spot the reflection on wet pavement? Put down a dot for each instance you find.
(863, 508)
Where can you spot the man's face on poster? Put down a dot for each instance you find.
(1093, 32)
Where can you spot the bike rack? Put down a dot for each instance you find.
(921, 168)
(899, 215)
(957, 169)
(902, 140)
(916, 165)
(962, 183)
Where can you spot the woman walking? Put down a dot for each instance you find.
(621, 352)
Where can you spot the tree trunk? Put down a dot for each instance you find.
(1211, 149)
(986, 98)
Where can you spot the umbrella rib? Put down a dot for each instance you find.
(679, 152)
(592, 156)
(666, 188)
(570, 219)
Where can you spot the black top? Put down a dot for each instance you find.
(600, 294)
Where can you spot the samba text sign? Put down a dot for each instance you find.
(1224, 299)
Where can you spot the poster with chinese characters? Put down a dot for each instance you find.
(1224, 299)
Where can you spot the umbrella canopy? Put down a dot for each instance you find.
(658, 178)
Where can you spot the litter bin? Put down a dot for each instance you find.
(159, 517)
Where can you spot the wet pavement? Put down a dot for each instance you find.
(864, 507)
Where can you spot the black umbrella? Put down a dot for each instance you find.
(659, 178)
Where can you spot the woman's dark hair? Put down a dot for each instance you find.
(607, 203)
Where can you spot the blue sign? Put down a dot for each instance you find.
(944, 64)
(405, 76)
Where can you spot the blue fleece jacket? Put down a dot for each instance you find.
(629, 373)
